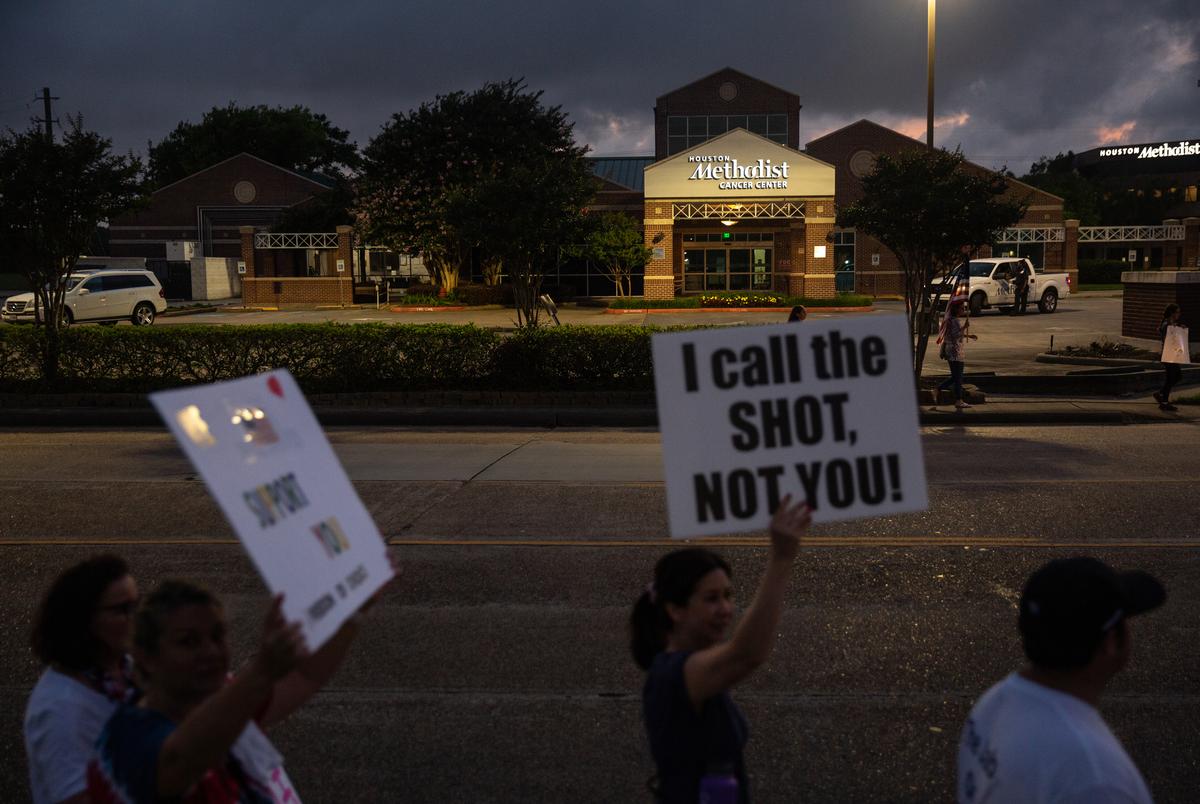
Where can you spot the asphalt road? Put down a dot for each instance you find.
(496, 670)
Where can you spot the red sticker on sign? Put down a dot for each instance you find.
(274, 386)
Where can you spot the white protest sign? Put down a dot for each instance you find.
(1175, 345)
(825, 411)
(265, 459)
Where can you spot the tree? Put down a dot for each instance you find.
(614, 242)
(52, 196)
(933, 212)
(440, 181)
(323, 212)
(1057, 176)
(528, 214)
(295, 138)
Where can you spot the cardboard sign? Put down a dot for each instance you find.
(1175, 345)
(265, 459)
(825, 411)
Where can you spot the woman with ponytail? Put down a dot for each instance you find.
(678, 630)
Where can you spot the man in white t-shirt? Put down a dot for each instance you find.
(1036, 737)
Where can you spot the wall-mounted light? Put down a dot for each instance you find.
(819, 252)
(729, 223)
(658, 238)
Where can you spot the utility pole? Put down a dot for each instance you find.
(48, 119)
(929, 59)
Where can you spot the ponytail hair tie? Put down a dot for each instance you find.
(652, 593)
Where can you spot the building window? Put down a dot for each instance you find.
(1189, 194)
(685, 132)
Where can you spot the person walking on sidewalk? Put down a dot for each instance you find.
(1037, 737)
(677, 630)
(955, 332)
(1173, 370)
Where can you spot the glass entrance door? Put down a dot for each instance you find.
(725, 269)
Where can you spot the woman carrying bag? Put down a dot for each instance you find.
(1174, 372)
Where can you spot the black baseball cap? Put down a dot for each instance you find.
(1071, 603)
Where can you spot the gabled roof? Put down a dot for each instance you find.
(318, 179)
(736, 133)
(918, 143)
(624, 171)
(738, 73)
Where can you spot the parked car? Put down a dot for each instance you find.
(992, 285)
(105, 296)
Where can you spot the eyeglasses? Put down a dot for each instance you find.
(125, 609)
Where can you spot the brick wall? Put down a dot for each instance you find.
(274, 292)
(701, 98)
(1143, 302)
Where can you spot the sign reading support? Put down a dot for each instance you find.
(825, 411)
(265, 459)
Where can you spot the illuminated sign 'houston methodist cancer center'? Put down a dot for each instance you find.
(1166, 149)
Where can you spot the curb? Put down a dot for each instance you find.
(657, 310)
(414, 309)
(550, 417)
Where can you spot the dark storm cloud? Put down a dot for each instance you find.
(1014, 80)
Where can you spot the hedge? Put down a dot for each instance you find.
(1102, 272)
(335, 358)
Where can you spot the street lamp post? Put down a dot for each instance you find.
(929, 74)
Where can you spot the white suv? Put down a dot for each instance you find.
(105, 296)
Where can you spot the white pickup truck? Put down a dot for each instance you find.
(992, 285)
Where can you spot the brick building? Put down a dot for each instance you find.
(207, 208)
(864, 265)
(730, 203)
(720, 213)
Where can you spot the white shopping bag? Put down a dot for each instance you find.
(1175, 345)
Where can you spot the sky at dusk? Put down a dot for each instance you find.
(1016, 79)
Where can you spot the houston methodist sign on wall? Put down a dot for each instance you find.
(739, 164)
(1156, 151)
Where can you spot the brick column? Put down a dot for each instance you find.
(1071, 250)
(345, 249)
(247, 233)
(819, 280)
(658, 236)
(793, 271)
(249, 294)
(1191, 244)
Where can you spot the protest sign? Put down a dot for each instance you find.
(1175, 345)
(265, 459)
(825, 411)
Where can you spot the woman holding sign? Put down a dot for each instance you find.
(678, 629)
(1174, 372)
(194, 736)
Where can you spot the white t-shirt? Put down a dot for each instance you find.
(62, 721)
(1024, 743)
